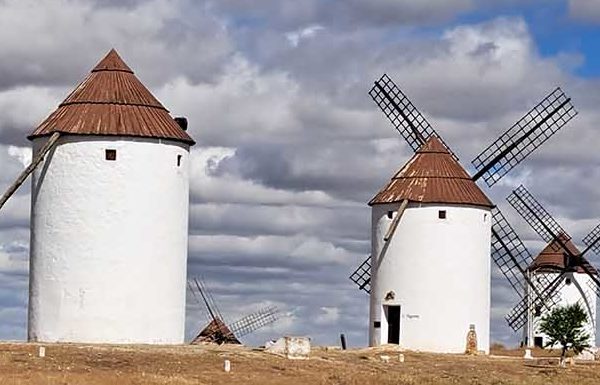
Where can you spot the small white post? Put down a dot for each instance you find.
(227, 366)
(42, 351)
(401, 357)
(528, 355)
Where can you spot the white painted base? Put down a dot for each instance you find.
(578, 291)
(109, 242)
(437, 271)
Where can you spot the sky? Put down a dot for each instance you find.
(290, 148)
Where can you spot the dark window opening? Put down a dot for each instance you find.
(568, 281)
(442, 214)
(538, 342)
(178, 160)
(538, 311)
(110, 154)
(377, 324)
(390, 214)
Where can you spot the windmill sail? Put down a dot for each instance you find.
(536, 216)
(512, 258)
(400, 111)
(509, 253)
(549, 296)
(362, 275)
(208, 300)
(593, 239)
(532, 130)
(217, 330)
(254, 321)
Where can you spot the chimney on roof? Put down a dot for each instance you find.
(182, 121)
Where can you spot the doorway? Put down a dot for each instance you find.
(393, 321)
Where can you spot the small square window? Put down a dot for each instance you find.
(442, 214)
(110, 154)
(390, 214)
(377, 324)
(178, 160)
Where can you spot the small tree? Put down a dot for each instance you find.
(564, 327)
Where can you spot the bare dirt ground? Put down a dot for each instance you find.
(116, 365)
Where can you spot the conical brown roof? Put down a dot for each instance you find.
(216, 332)
(432, 175)
(551, 259)
(112, 101)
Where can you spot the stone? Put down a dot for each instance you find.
(293, 348)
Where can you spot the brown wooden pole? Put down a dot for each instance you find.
(34, 163)
(394, 224)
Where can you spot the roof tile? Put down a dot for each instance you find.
(112, 101)
(551, 258)
(432, 175)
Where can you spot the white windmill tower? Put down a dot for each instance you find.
(560, 275)
(429, 271)
(443, 239)
(577, 287)
(109, 215)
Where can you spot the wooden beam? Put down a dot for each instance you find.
(395, 221)
(34, 163)
(390, 233)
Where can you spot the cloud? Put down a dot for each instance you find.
(329, 315)
(288, 14)
(585, 10)
(22, 154)
(66, 38)
(295, 37)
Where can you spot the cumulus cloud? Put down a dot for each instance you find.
(65, 39)
(344, 14)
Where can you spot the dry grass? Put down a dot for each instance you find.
(94, 365)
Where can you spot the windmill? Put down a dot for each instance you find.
(433, 182)
(109, 215)
(217, 330)
(559, 269)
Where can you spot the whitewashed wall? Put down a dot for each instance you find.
(578, 291)
(109, 242)
(439, 270)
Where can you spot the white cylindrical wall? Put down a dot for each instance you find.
(109, 241)
(579, 290)
(439, 273)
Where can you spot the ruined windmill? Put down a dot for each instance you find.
(218, 331)
(109, 215)
(431, 226)
(560, 275)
